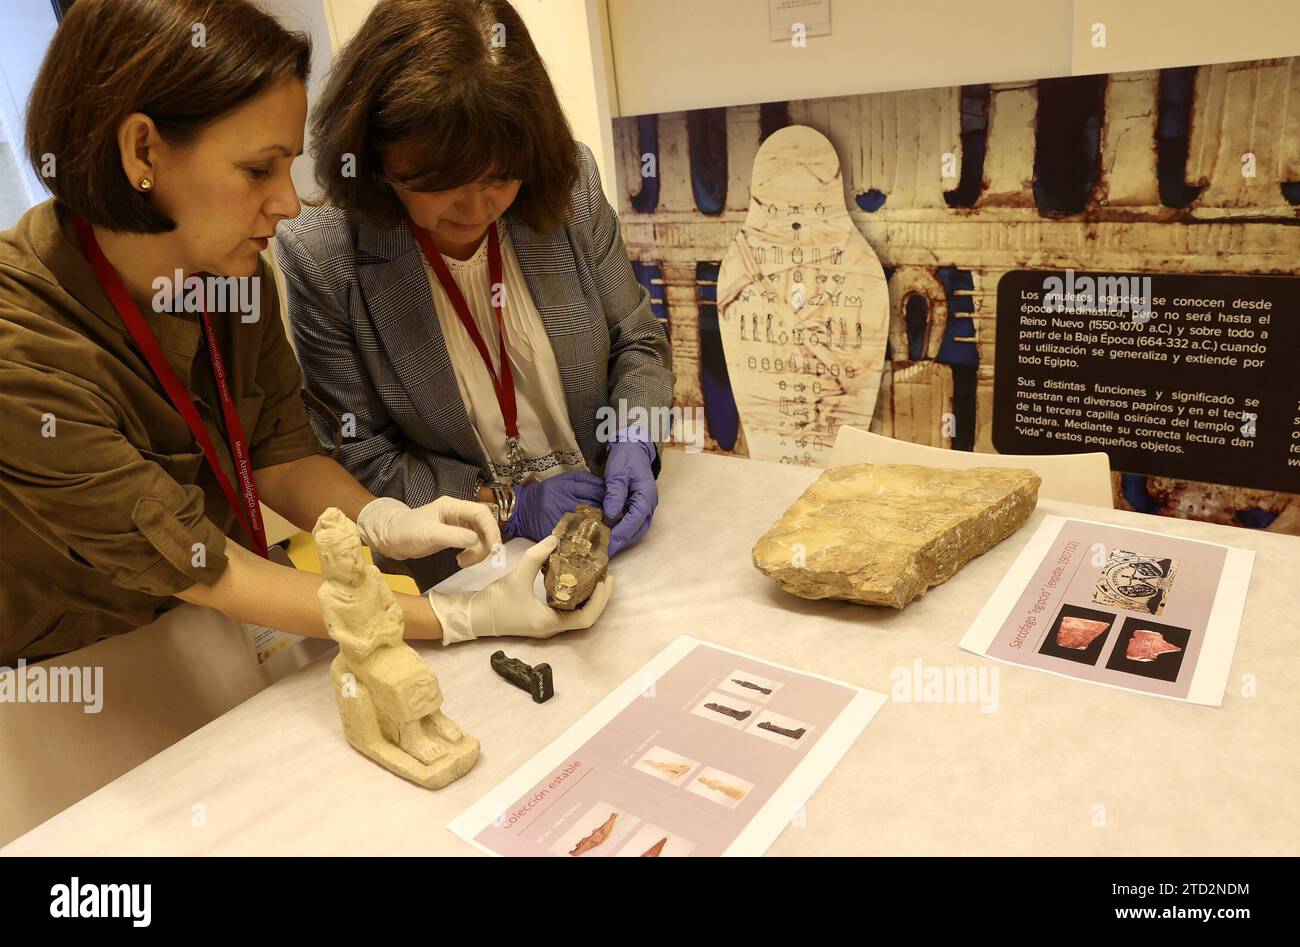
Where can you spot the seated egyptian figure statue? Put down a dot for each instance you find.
(388, 697)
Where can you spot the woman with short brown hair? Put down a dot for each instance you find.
(142, 424)
(463, 307)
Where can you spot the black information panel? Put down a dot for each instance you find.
(1195, 377)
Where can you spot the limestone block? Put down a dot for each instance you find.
(882, 534)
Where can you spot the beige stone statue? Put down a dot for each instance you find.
(388, 698)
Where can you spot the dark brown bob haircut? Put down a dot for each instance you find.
(460, 88)
(184, 63)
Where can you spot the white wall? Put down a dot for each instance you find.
(1155, 34)
(570, 37)
(568, 34)
(673, 55)
(632, 57)
(27, 29)
(307, 16)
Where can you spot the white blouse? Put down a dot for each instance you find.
(546, 438)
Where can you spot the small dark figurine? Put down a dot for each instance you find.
(580, 559)
(729, 711)
(536, 680)
(751, 685)
(773, 728)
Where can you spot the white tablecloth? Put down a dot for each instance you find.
(1061, 767)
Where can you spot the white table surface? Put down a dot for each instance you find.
(275, 776)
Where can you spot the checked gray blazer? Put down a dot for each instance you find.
(372, 354)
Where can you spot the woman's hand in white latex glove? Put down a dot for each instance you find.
(391, 527)
(509, 606)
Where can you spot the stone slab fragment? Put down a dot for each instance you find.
(882, 534)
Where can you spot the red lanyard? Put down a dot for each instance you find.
(250, 516)
(505, 384)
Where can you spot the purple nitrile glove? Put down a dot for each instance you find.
(630, 489)
(539, 506)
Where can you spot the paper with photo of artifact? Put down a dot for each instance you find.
(1136, 582)
(671, 770)
(1080, 602)
(1148, 645)
(1078, 633)
(597, 836)
(659, 774)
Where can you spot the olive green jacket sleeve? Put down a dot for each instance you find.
(71, 476)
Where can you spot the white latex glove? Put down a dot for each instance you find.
(509, 607)
(391, 527)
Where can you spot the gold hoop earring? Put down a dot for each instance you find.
(146, 184)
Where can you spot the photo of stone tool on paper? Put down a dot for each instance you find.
(596, 838)
(1077, 633)
(794, 734)
(728, 711)
(1147, 645)
(882, 534)
(388, 698)
(717, 785)
(671, 770)
(663, 764)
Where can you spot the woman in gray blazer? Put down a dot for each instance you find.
(463, 308)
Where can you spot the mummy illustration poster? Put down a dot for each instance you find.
(878, 260)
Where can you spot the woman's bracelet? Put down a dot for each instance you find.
(503, 502)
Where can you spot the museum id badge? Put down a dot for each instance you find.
(263, 641)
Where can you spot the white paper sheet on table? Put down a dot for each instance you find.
(482, 574)
(1197, 591)
(722, 786)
